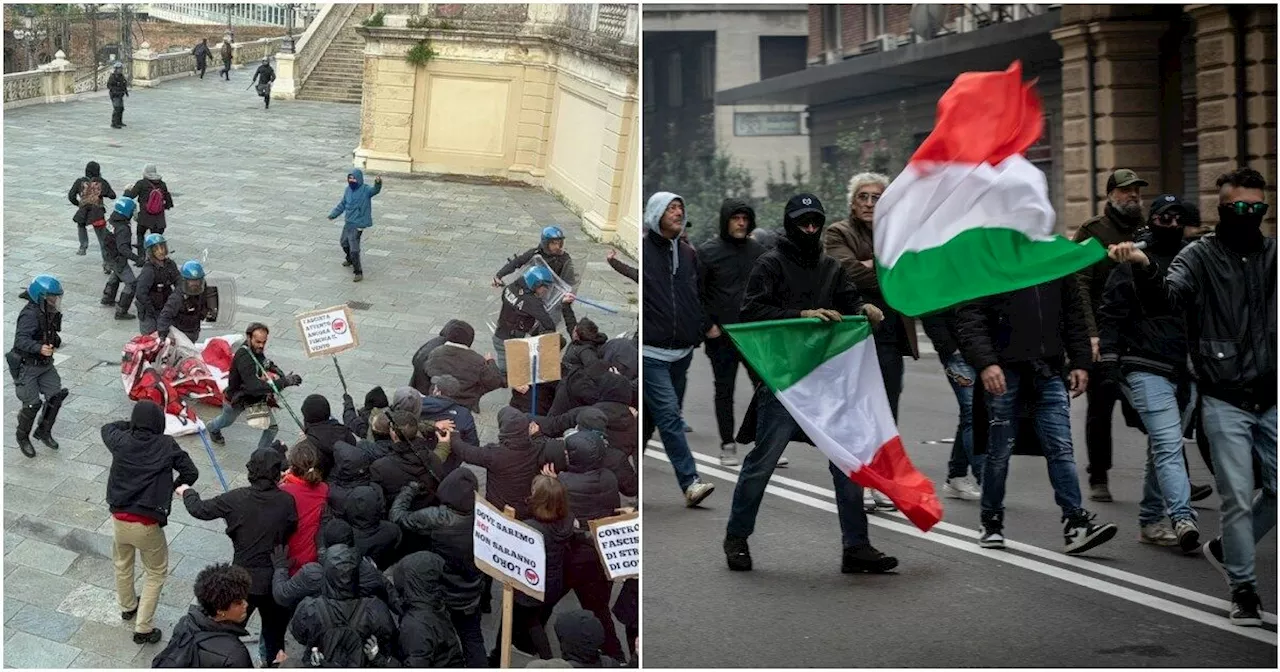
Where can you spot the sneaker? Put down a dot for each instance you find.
(216, 437)
(990, 537)
(962, 487)
(882, 501)
(694, 494)
(868, 502)
(1081, 533)
(1199, 492)
(783, 461)
(358, 277)
(687, 428)
(1099, 492)
(128, 615)
(729, 455)
(1246, 607)
(1158, 534)
(152, 637)
(1188, 535)
(737, 554)
(866, 560)
(1212, 550)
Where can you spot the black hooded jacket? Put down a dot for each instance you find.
(414, 462)
(511, 463)
(580, 355)
(457, 331)
(612, 397)
(1036, 324)
(447, 529)
(350, 473)
(243, 387)
(476, 375)
(427, 636)
(376, 538)
(581, 635)
(592, 488)
(290, 591)
(785, 282)
(143, 459)
(341, 592)
(259, 517)
(217, 644)
(556, 536)
(725, 263)
(1142, 335)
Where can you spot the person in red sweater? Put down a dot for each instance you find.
(305, 483)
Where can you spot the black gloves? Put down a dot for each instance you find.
(280, 557)
(292, 380)
(376, 398)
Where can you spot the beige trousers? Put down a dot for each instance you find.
(149, 542)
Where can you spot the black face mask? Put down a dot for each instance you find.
(1165, 237)
(810, 244)
(1240, 232)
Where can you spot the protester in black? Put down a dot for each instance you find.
(411, 461)
(259, 517)
(549, 514)
(340, 628)
(201, 52)
(86, 194)
(209, 635)
(263, 77)
(511, 463)
(376, 538)
(324, 431)
(427, 637)
(584, 640)
(245, 388)
(456, 331)
(308, 581)
(478, 374)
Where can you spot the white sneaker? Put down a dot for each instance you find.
(697, 492)
(1158, 534)
(729, 455)
(783, 461)
(962, 487)
(868, 502)
(882, 501)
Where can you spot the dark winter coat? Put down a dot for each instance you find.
(259, 517)
(592, 489)
(156, 283)
(523, 313)
(1139, 335)
(201, 52)
(625, 269)
(1036, 324)
(217, 644)
(850, 243)
(341, 591)
(725, 262)
(1109, 228)
(784, 282)
(555, 537)
(264, 75)
(289, 591)
(447, 529)
(117, 85)
(441, 408)
(326, 434)
(141, 190)
(477, 376)
(624, 355)
(673, 314)
(376, 538)
(940, 327)
(462, 333)
(510, 464)
(1229, 302)
(143, 460)
(409, 463)
(427, 637)
(33, 331)
(350, 472)
(243, 387)
(580, 355)
(87, 213)
(227, 51)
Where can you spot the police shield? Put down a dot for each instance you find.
(219, 309)
(554, 298)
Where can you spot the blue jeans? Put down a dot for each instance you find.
(229, 415)
(1165, 488)
(774, 429)
(351, 246)
(1053, 427)
(664, 384)
(962, 457)
(1235, 435)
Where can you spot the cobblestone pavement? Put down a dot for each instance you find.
(253, 187)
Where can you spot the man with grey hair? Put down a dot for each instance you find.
(849, 242)
(1118, 222)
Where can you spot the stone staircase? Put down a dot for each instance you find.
(339, 76)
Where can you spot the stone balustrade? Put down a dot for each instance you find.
(151, 68)
(53, 82)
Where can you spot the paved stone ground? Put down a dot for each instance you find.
(253, 187)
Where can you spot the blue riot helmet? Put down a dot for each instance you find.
(192, 278)
(46, 292)
(155, 246)
(538, 276)
(552, 235)
(125, 207)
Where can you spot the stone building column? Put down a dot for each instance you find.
(1260, 81)
(1076, 142)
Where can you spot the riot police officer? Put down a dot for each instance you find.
(523, 312)
(119, 252)
(156, 281)
(551, 249)
(31, 362)
(185, 309)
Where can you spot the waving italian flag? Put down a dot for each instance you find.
(969, 216)
(827, 376)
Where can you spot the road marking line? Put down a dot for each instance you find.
(1218, 621)
(1052, 556)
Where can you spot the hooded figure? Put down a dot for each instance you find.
(358, 420)
(427, 637)
(117, 89)
(201, 52)
(320, 620)
(674, 320)
(581, 635)
(442, 406)
(87, 194)
(357, 206)
(454, 331)
(511, 463)
(323, 431)
(375, 538)
(477, 374)
(288, 591)
(350, 472)
(143, 459)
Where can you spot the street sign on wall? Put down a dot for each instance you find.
(759, 124)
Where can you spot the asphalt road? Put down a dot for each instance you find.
(950, 603)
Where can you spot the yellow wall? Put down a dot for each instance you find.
(520, 108)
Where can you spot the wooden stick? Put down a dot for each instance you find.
(508, 601)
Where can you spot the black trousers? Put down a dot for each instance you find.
(892, 369)
(725, 358)
(1102, 400)
(586, 578)
(226, 69)
(275, 622)
(117, 110)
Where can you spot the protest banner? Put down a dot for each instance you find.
(327, 332)
(617, 541)
(511, 552)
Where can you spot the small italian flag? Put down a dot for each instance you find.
(969, 216)
(827, 376)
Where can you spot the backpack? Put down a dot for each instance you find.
(183, 651)
(155, 201)
(91, 192)
(341, 645)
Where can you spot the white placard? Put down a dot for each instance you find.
(618, 543)
(327, 332)
(508, 550)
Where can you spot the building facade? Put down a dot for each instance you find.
(692, 51)
(1179, 93)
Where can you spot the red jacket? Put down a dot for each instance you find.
(310, 500)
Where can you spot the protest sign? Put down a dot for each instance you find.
(617, 542)
(520, 352)
(327, 332)
(509, 550)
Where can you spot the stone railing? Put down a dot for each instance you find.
(85, 83)
(151, 68)
(53, 82)
(294, 69)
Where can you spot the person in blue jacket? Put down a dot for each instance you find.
(357, 203)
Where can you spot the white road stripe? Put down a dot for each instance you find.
(1213, 620)
(1052, 556)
